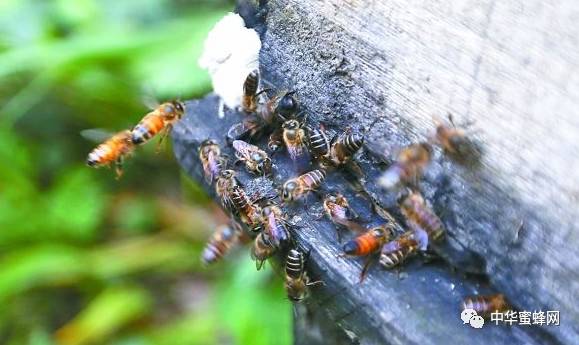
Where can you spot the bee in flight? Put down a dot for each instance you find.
(419, 215)
(262, 249)
(298, 187)
(275, 225)
(411, 162)
(455, 143)
(211, 159)
(160, 119)
(112, 151)
(485, 305)
(225, 238)
(296, 278)
(256, 160)
(340, 213)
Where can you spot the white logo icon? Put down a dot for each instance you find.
(470, 316)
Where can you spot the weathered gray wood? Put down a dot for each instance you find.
(419, 304)
(508, 67)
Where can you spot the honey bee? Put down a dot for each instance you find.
(211, 159)
(318, 142)
(112, 150)
(160, 119)
(298, 187)
(275, 225)
(279, 107)
(226, 180)
(409, 166)
(256, 160)
(419, 215)
(249, 98)
(455, 143)
(399, 250)
(340, 213)
(345, 146)
(294, 138)
(485, 305)
(369, 242)
(296, 278)
(267, 116)
(262, 250)
(221, 242)
(249, 212)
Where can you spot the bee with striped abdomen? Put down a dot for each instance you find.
(485, 305)
(296, 278)
(411, 162)
(161, 119)
(249, 212)
(298, 187)
(112, 151)
(318, 142)
(262, 249)
(225, 238)
(419, 215)
(395, 252)
(344, 147)
(340, 213)
(211, 159)
(275, 225)
(249, 97)
(256, 160)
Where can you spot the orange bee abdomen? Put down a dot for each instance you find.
(362, 245)
(149, 126)
(110, 151)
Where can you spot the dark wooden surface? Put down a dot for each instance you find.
(417, 304)
(507, 68)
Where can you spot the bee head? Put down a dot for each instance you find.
(287, 104)
(291, 125)
(288, 190)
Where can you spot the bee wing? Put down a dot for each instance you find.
(148, 97)
(96, 135)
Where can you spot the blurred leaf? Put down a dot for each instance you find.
(42, 265)
(107, 313)
(76, 205)
(251, 301)
(139, 254)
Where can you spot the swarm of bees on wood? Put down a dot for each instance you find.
(262, 221)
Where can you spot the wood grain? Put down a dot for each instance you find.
(510, 69)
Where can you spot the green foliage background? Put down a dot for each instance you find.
(86, 259)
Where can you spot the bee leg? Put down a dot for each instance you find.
(317, 282)
(366, 268)
(164, 135)
(119, 168)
